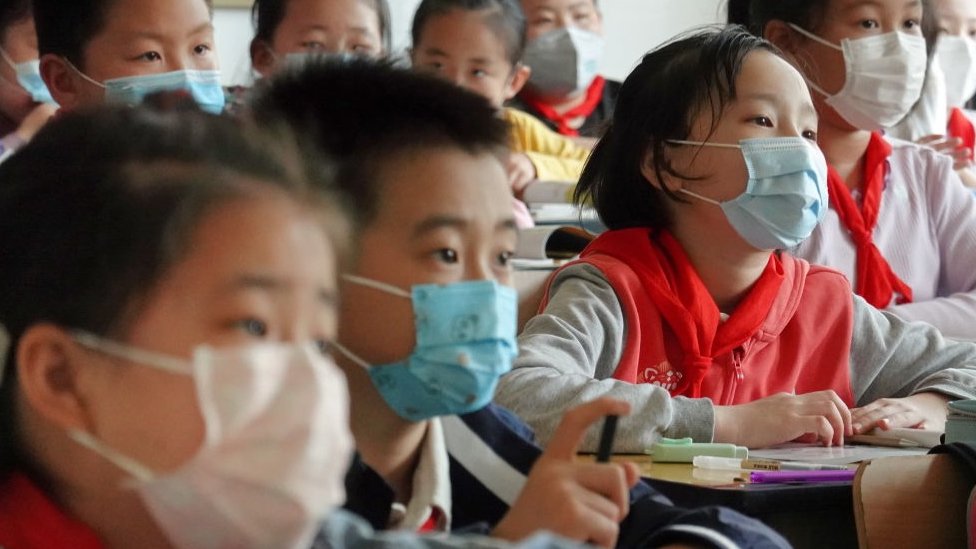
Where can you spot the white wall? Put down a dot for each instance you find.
(632, 28)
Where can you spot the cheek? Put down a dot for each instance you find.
(150, 416)
(377, 327)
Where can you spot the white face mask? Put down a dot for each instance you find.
(956, 56)
(885, 75)
(275, 452)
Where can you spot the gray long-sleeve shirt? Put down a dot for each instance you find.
(568, 355)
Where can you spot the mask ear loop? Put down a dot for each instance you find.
(83, 75)
(138, 471)
(146, 358)
(376, 285)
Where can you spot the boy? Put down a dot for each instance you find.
(422, 164)
(478, 45)
(25, 104)
(565, 50)
(122, 50)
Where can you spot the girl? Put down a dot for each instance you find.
(141, 386)
(94, 51)
(900, 226)
(297, 27)
(685, 309)
(956, 54)
(25, 104)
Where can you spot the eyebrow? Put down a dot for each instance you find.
(273, 285)
(161, 37)
(436, 222)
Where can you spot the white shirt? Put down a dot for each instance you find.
(431, 486)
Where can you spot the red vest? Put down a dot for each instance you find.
(803, 345)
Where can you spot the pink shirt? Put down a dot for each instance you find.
(926, 230)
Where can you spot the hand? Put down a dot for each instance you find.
(579, 501)
(35, 120)
(951, 146)
(921, 411)
(784, 417)
(521, 172)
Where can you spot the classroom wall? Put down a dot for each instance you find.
(632, 28)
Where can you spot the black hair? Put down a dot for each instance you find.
(806, 14)
(364, 113)
(504, 17)
(65, 27)
(659, 101)
(11, 13)
(86, 238)
(266, 15)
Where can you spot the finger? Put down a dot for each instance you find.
(929, 139)
(603, 532)
(594, 503)
(819, 426)
(846, 423)
(576, 422)
(608, 480)
(633, 473)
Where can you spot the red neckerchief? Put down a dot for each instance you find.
(594, 94)
(29, 520)
(684, 304)
(432, 522)
(960, 126)
(875, 281)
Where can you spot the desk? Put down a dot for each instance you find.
(816, 515)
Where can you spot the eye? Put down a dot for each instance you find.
(313, 45)
(810, 134)
(763, 121)
(435, 66)
(324, 346)
(362, 48)
(202, 49)
(150, 56)
(479, 73)
(912, 24)
(252, 327)
(447, 255)
(869, 24)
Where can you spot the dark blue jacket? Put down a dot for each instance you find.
(491, 453)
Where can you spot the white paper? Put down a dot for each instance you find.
(833, 455)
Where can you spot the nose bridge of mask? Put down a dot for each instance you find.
(444, 315)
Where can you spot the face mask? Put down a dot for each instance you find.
(564, 61)
(465, 342)
(785, 196)
(275, 451)
(884, 80)
(204, 86)
(956, 56)
(29, 78)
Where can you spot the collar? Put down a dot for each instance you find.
(563, 121)
(431, 487)
(30, 520)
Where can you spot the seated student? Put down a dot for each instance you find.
(285, 28)
(94, 51)
(900, 224)
(686, 310)
(565, 50)
(174, 283)
(955, 53)
(478, 45)
(25, 104)
(427, 325)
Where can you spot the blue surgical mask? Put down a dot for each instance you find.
(465, 336)
(785, 196)
(29, 78)
(203, 85)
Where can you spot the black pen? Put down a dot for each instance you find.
(606, 439)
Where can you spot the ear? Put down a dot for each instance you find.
(649, 173)
(784, 37)
(520, 76)
(47, 362)
(262, 57)
(62, 81)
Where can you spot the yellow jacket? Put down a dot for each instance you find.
(556, 158)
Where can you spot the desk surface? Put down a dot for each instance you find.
(808, 515)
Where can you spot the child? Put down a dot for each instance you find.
(565, 50)
(956, 55)
(123, 50)
(301, 27)
(25, 104)
(141, 387)
(479, 45)
(684, 308)
(427, 324)
(900, 225)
